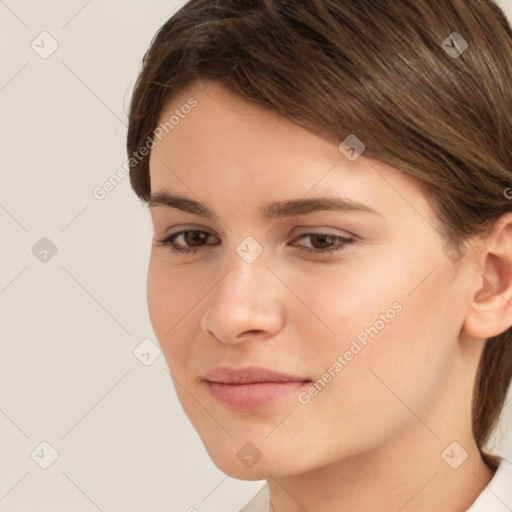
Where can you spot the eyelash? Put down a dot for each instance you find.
(169, 242)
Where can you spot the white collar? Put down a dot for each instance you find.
(497, 496)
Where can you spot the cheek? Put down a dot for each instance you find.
(161, 303)
(171, 297)
(396, 327)
(172, 292)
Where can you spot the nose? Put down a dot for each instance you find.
(244, 304)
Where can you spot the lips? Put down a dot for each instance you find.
(249, 375)
(249, 387)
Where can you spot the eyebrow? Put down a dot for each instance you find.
(271, 210)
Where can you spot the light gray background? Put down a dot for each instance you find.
(69, 325)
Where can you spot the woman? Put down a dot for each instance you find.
(330, 184)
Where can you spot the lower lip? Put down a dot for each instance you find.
(248, 396)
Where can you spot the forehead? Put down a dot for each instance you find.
(227, 148)
(217, 109)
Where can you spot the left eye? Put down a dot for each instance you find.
(324, 239)
(194, 239)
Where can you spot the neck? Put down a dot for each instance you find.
(409, 475)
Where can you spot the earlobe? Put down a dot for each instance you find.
(490, 308)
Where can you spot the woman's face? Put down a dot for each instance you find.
(370, 332)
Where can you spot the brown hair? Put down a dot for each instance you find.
(392, 73)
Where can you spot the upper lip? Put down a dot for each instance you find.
(249, 375)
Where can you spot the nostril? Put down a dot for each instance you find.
(252, 333)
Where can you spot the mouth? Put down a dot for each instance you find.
(251, 387)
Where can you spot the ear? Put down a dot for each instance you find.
(490, 307)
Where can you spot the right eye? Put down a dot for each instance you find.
(192, 238)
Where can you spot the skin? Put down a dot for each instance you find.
(372, 438)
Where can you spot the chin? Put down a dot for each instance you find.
(247, 462)
(249, 475)
(235, 469)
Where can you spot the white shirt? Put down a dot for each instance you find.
(496, 497)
